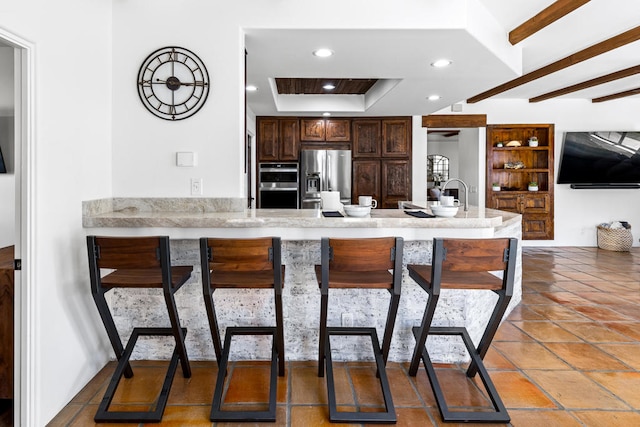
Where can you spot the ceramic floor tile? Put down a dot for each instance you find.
(523, 312)
(593, 332)
(308, 388)
(281, 420)
(573, 390)
(557, 312)
(628, 353)
(494, 360)
(536, 298)
(411, 417)
(250, 384)
(529, 355)
(312, 416)
(546, 332)
(63, 418)
(585, 356)
(601, 298)
(625, 385)
(524, 418)
(578, 286)
(195, 390)
(568, 298)
(191, 415)
(97, 384)
(85, 418)
(628, 329)
(440, 423)
(608, 418)
(508, 332)
(600, 313)
(516, 391)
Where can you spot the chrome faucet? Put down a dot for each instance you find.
(466, 191)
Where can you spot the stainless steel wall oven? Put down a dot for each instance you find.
(278, 186)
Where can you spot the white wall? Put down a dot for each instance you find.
(577, 212)
(71, 152)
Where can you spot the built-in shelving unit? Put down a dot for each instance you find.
(536, 165)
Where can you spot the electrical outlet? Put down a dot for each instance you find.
(196, 186)
(473, 189)
(347, 320)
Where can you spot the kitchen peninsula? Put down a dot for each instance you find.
(186, 220)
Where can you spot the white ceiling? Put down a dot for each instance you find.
(405, 55)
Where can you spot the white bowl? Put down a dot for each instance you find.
(357, 210)
(444, 211)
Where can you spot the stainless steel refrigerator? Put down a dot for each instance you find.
(324, 170)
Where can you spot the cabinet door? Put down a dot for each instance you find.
(289, 139)
(537, 226)
(366, 179)
(338, 130)
(535, 203)
(267, 140)
(396, 182)
(366, 138)
(312, 129)
(396, 137)
(506, 202)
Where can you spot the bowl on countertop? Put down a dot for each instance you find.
(357, 210)
(444, 211)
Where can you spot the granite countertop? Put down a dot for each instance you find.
(197, 213)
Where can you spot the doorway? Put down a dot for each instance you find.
(20, 91)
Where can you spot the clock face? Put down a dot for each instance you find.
(173, 83)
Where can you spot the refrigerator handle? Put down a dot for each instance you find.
(328, 169)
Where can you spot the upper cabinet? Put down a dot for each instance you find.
(278, 139)
(396, 137)
(519, 156)
(325, 130)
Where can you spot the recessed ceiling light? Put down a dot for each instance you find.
(441, 63)
(251, 88)
(327, 114)
(323, 53)
(328, 86)
(433, 97)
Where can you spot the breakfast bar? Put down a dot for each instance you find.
(185, 220)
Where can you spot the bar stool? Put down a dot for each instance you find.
(465, 264)
(137, 262)
(243, 263)
(359, 264)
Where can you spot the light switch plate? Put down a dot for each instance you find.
(186, 159)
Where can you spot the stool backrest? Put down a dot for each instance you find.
(371, 254)
(475, 256)
(258, 254)
(127, 252)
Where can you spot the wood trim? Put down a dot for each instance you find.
(589, 83)
(626, 93)
(454, 121)
(546, 17)
(622, 39)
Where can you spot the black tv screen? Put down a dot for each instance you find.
(600, 158)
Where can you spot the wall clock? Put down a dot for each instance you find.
(173, 83)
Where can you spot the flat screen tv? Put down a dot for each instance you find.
(600, 159)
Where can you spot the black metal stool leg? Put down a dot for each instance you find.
(423, 332)
(178, 333)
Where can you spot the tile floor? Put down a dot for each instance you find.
(569, 355)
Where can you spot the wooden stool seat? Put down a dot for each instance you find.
(359, 264)
(137, 262)
(243, 264)
(465, 264)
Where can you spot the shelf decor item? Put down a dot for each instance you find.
(514, 165)
(533, 141)
(533, 186)
(495, 186)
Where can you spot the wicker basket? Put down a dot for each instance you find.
(615, 239)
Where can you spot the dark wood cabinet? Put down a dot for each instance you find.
(6, 322)
(366, 179)
(278, 139)
(367, 137)
(396, 137)
(289, 139)
(325, 130)
(514, 167)
(396, 182)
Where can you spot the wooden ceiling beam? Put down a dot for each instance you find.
(589, 83)
(454, 121)
(548, 16)
(624, 94)
(622, 39)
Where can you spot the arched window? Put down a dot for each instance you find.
(437, 169)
